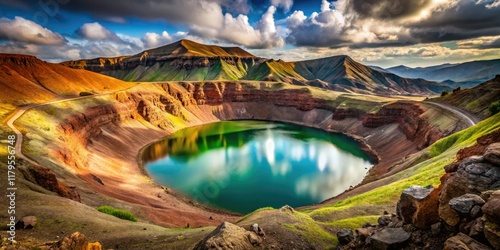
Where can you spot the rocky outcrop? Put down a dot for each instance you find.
(46, 178)
(106, 65)
(215, 93)
(408, 116)
(229, 236)
(480, 147)
(468, 207)
(473, 175)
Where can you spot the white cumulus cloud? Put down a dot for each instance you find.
(153, 40)
(95, 31)
(238, 30)
(285, 4)
(22, 30)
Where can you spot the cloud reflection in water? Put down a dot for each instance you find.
(262, 166)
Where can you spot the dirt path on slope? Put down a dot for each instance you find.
(467, 117)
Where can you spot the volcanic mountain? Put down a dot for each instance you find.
(182, 60)
(344, 74)
(190, 61)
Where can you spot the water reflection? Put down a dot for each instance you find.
(244, 165)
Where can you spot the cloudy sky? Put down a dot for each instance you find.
(375, 32)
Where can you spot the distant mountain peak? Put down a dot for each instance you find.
(467, 73)
(336, 58)
(186, 47)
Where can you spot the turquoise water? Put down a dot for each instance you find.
(241, 166)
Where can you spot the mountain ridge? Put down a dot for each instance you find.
(349, 75)
(185, 60)
(465, 74)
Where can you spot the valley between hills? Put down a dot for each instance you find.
(84, 123)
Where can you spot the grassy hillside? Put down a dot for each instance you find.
(475, 100)
(366, 207)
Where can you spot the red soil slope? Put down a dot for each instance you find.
(27, 79)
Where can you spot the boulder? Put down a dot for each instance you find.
(229, 236)
(390, 238)
(473, 176)
(258, 230)
(464, 203)
(492, 234)
(464, 242)
(480, 176)
(27, 222)
(76, 241)
(418, 206)
(287, 209)
(255, 228)
(492, 153)
(345, 236)
(492, 209)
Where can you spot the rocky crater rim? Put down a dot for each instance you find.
(102, 137)
(361, 143)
